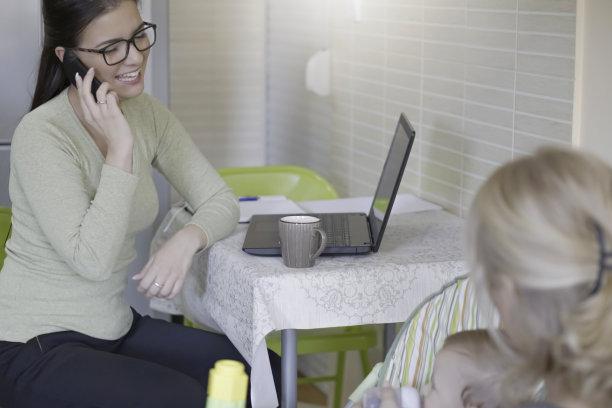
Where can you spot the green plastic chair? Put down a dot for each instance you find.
(301, 184)
(294, 182)
(5, 231)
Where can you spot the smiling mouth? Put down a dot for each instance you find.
(129, 77)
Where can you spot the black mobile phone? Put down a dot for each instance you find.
(72, 64)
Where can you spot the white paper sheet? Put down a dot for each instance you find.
(268, 205)
(404, 203)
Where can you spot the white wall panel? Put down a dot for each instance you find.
(217, 77)
(482, 81)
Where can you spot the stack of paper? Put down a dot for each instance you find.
(403, 203)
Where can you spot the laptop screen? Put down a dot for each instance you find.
(390, 179)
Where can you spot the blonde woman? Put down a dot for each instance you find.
(539, 237)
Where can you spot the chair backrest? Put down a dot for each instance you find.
(452, 309)
(294, 182)
(5, 231)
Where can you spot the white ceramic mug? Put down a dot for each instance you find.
(302, 240)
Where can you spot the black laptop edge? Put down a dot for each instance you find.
(375, 245)
(403, 121)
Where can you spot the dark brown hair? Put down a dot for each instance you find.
(64, 22)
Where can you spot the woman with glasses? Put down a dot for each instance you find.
(81, 189)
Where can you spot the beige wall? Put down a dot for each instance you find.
(593, 102)
(482, 81)
(218, 78)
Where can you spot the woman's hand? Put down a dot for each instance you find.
(106, 121)
(164, 274)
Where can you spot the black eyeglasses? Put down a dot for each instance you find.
(117, 52)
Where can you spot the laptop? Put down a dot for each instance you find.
(347, 233)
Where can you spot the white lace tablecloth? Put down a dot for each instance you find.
(249, 296)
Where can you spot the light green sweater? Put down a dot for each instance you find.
(75, 218)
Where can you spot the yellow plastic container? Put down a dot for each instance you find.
(227, 385)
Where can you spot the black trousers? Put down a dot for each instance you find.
(156, 364)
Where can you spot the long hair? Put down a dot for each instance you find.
(64, 22)
(535, 222)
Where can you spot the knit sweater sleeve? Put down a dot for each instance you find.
(85, 221)
(194, 178)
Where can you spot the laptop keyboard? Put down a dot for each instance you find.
(337, 229)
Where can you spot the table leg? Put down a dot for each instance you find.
(388, 337)
(289, 368)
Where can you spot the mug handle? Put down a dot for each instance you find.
(323, 243)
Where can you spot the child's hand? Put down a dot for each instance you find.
(388, 397)
(383, 397)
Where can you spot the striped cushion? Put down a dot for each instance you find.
(452, 309)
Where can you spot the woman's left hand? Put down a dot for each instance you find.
(164, 274)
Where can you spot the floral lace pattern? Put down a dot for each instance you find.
(250, 296)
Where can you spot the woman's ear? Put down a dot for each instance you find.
(59, 52)
(502, 291)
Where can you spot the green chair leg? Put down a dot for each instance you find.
(340, 340)
(365, 362)
(339, 378)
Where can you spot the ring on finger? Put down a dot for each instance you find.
(101, 102)
(159, 285)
